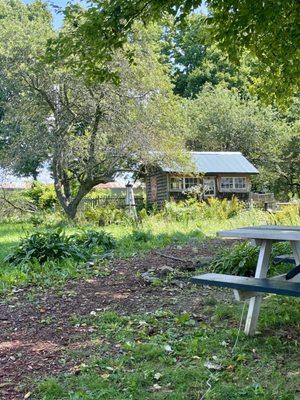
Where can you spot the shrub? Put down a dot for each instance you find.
(182, 211)
(106, 215)
(222, 209)
(43, 196)
(241, 259)
(289, 215)
(54, 244)
(186, 210)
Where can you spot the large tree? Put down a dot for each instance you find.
(268, 29)
(220, 121)
(196, 60)
(91, 131)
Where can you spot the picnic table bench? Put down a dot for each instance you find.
(252, 288)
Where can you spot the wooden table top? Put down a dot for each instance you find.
(267, 232)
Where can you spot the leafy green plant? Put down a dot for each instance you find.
(191, 208)
(95, 239)
(289, 215)
(142, 236)
(54, 244)
(238, 260)
(107, 215)
(43, 196)
(241, 259)
(222, 209)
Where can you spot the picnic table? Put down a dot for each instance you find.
(252, 288)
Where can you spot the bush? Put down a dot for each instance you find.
(289, 215)
(222, 209)
(241, 259)
(54, 244)
(182, 211)
(106, 215)
(186, 210)
(43, 196)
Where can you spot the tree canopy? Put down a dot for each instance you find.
(268, 30)
(89, 131)
(196, 60)
(219, 120)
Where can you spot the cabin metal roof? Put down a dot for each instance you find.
(220, 162)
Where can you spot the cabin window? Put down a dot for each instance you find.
(226, 183)
(190, 182)
(240, 183)
(209, 187)
(232, 183)
(177, 183)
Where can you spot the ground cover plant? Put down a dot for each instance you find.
(161, 355)
(242, 258)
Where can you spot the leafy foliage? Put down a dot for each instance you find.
(106, 215)
(42, 196)
(242, 258)
(55, 244)
(89, 131)
(269, 31)
(239, 260)
(196, 60)
(191, 208)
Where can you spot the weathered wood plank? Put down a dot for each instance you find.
(264, 233)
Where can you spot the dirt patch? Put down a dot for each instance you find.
(36, 335)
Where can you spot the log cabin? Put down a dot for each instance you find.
(222, 174)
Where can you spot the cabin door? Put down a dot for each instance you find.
(209, 187)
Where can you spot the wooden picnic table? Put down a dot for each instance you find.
(264, 236)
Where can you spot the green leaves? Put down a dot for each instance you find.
(54, 244)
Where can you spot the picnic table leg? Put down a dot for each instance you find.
(261, 272)
(296, 251)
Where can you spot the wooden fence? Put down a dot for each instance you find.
(119, 202)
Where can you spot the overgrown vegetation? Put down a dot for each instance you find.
(242, 258)
(55, 244)
(59, 254)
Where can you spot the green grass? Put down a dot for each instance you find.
(10, 234)
(161, 233)
(162, 356)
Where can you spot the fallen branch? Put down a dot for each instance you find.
(174, 258)
(4, 198)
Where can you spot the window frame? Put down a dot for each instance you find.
(183, 179)
(212, 179)
(234, 187)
